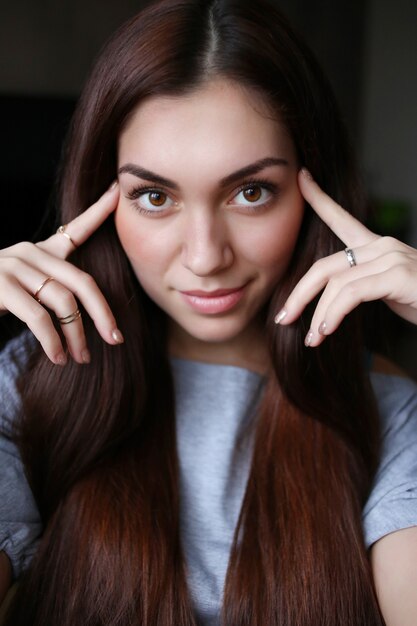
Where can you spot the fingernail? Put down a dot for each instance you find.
(61, 359)
(86, 356)
(309, 338)
(113, 185)
(306, 173)
(117, 335)
(280, 316)
(323, 328)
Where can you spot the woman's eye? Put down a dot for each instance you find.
(157, 198)
(252, 195)
(151, 200)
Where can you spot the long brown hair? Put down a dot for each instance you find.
(99, 441)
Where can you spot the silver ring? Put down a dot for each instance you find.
(61, 231)
(70, 318)
(350, 257)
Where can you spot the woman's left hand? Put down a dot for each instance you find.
(385, 269)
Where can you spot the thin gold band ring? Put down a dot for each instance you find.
(41, 286)
(70, 318)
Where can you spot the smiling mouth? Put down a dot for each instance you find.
(214, 302)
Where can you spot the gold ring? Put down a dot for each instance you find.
(70, 318)
(61, 231)
(41, 286)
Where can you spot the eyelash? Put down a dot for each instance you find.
(265, 185)
(138, 192)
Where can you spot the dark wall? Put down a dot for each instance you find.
(32, 131)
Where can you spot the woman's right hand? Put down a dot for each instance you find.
(37, 277)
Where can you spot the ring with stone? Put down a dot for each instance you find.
(61, 231)
(350, 257)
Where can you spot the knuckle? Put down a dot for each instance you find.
(322, 269)
(6, 282)
(319, 265)
(10, 250)
(335, 283)
(23, 248)
(388, 243)
(87, 282)
(397, 258)
(65, 300)
(12, 264)
(350, 291)
(38, 316)
(403, 273)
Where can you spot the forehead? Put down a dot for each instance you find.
(219, 120)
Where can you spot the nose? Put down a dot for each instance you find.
(206, 247)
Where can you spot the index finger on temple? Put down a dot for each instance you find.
(350, 230)
(84, 225)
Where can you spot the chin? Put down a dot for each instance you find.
(214, 330)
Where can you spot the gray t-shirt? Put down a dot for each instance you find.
(214, 405)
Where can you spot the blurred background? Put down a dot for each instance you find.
(368, 49)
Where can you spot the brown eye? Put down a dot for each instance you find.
(157, 198)
(252, 194)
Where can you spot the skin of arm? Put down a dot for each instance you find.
(394, 557)
(394, 567)
(5, 575)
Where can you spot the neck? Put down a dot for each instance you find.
(247, 350)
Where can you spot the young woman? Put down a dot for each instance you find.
(207, 465)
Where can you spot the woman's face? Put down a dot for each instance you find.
(209, 210)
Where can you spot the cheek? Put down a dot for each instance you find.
(271, 242)
(139, 244)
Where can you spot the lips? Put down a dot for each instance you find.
(213, 302)
(212, 294)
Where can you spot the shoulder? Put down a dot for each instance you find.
(396, 395)
(13, 360)
(20, 524)
(15, 352)
(392, 502)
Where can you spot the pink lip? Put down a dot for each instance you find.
(211, 302)
(212, 294)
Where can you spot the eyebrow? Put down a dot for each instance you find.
(141, 172)
(248, 170)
